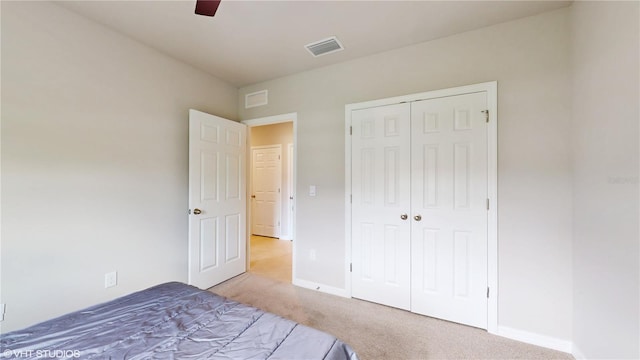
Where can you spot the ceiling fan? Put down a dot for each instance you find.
(207, 7)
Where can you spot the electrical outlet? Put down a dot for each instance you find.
(110, 279)
(312, 255)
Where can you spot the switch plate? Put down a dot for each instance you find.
(312, 254)
(312, 190)
(110, 279)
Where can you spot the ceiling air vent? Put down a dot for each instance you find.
(325, 46)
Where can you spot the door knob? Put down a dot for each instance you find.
(197, 211)
(404, 216)
(417, 218)
(253, 196)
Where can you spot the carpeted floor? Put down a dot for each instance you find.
(376, 331)
(271, 257)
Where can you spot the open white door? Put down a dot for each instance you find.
(217, 199)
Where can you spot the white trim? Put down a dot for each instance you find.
(535, 339)
(577, 353)
(461, 90)
(347, 199)
(492, 216)
(275, 119)
(290, 190)
(491, 88)
(321, 287)
(270, 120)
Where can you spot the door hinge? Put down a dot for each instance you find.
(278, 157)
(486, 115)
(487, 204)
(351, 267)
(350, 130)
(350, 198)
(487, 292)
(278, 190)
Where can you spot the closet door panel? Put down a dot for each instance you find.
(449, 215)
(380, 196)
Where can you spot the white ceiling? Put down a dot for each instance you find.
(252, 41)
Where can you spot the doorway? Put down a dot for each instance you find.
(271, 200)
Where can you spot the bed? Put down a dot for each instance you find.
(172, 321)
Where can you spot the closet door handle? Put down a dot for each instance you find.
(417, 218)
(404, 216)
(197, 211)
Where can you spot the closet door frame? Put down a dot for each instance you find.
(491, 89)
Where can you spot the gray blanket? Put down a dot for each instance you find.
(171, 321)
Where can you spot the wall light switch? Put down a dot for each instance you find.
(312, 190)
(110, 279)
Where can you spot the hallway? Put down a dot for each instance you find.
(271, 257)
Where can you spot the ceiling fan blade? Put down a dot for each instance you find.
(207, 7)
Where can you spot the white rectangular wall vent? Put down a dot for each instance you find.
(323, 47)
(255, 99)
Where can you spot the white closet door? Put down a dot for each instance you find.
(380, 189)
(449, 193)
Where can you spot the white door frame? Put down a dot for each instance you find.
(290, 192)
(270, 120)
(492, 191)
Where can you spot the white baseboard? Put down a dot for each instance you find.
(577, 353)
(536, 339)
(285, 237)
(320, 287)
(504, 331)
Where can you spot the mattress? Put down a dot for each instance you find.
(172, 321)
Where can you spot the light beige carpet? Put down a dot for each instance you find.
(375, 331)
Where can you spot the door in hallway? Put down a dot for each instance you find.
(266, 177)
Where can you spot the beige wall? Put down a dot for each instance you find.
(94, 161)
(606, 113)
(278, 134)
(530, 60)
